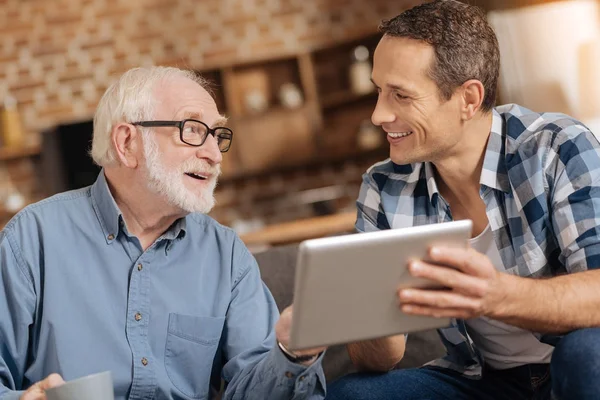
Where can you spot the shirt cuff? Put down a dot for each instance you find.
(12, 395)
(301, 377)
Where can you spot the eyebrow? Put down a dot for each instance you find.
(191, 115)
(395, 87)
(221, 121)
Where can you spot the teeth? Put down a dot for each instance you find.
(196, 175)
(399, 134)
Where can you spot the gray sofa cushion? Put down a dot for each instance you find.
(278, 266)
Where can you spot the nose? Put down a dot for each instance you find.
(210, 151)
(382, 114)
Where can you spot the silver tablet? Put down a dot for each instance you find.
(346, 286)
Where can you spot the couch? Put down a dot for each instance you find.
(278, 265)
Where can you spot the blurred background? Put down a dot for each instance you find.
(292, 75)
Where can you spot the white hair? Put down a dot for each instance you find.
(130, 99)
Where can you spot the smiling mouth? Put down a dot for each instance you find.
(196, 176)
(396, 135)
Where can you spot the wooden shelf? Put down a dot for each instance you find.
(318, 160)
(264, 78)
(297, 231)
(273, 110)
(13, 153)
(342, 98)
(332, 65)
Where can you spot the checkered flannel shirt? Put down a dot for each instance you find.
(541, 186)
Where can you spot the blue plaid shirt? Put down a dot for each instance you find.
(541, 186)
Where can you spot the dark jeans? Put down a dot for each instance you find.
(574, 373)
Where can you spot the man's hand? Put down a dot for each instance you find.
(475, 288)
(282, 331)
(38, 390)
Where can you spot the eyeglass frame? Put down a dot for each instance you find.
(180, 124)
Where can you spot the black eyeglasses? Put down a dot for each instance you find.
(194, 133)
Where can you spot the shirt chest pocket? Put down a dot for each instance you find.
(189, 352)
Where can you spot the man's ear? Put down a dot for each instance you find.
(126, 144)
(473, 94)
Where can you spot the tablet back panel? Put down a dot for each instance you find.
(346, 286)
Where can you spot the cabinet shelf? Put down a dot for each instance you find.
(318, 160)
(320, 131)
(274, 110)
(345, 97)
(13, 153)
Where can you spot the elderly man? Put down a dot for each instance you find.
(525, 296)
(130, 275)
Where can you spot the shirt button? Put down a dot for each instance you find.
(288, 374)
(302, 377)
(144, 361)
(138, 316)
(140, 267)
(110, 237)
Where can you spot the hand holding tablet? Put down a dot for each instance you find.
(346, 287)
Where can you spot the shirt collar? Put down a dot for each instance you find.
(432, 187)
(110, 215)
(494, 173)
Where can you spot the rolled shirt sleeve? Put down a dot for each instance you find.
(575, 167)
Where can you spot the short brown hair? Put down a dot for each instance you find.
(465, 45)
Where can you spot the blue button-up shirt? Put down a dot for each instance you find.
(541, 186)
(80, 296)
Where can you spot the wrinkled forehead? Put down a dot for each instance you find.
(180, 98)
(403, 62)
(219, 120)
(404, 55)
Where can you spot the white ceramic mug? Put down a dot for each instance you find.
(92, 387)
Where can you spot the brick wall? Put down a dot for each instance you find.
(58, 56)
